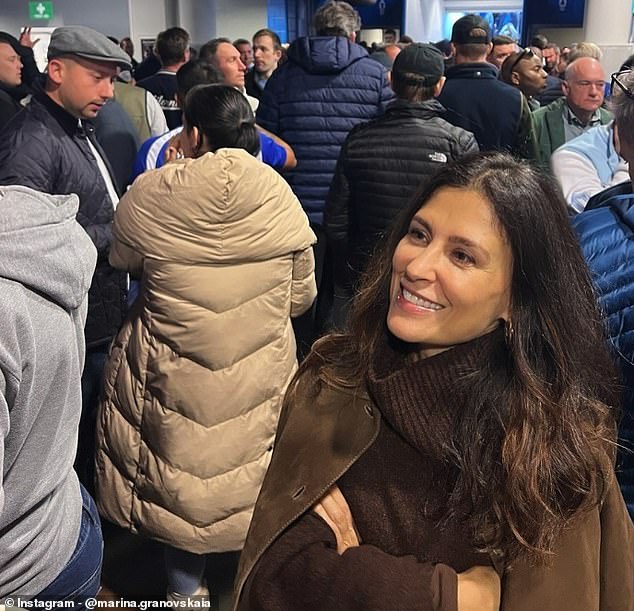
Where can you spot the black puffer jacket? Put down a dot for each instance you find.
(9, 104)
(381, 165)
(44, 148)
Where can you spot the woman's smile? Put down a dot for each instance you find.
(406, 299)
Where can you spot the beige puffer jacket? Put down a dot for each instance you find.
(196, 376)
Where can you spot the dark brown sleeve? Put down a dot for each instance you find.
(302, 570)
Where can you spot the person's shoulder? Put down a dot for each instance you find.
(12, 312)
(31, 132)
(145, 80)
(368, 67)
(367, 129)
(553, 107)
(605, 115)
(611, 196)
(506, 91)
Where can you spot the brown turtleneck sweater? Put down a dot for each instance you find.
(397, 493)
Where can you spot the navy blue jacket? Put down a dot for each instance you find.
(497, 114)
(313, 100)
(606, 234)
(162, 85)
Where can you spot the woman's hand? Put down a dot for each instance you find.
(479, 589)
(174, 149)
(333, 508)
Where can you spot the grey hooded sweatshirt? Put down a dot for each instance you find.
(46, 266)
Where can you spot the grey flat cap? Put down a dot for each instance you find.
(86, 42)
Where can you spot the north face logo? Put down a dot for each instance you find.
(439, 157)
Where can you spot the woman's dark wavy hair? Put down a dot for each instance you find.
(223, 116)
(536, 444)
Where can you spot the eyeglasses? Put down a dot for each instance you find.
(615, 81)
(523, 54)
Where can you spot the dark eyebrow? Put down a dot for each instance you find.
(454, 239)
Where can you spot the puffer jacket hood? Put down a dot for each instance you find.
(325, 54)
(41, 245)
(226, 224)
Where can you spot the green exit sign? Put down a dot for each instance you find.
(41, 10)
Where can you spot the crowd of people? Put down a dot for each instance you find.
(365, 315)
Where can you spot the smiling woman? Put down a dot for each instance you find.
(465, 421)
(451, 273)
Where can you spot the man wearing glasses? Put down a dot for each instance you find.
(575, 113)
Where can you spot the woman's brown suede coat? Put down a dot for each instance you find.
(593, 565)
(195, 378)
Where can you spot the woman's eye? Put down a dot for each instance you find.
(417, 234)
(463, 258)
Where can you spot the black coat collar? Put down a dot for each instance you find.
(68, 122)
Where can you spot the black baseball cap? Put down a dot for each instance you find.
(471, 29)
(424, 61)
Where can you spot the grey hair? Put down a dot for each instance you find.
(585, 49)
(623, 107)
(336, 19)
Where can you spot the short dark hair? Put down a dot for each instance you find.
(511, 62)
(208, 50)
(472, 50)
(539, 41)
(223, 116)
(405, 90)
(196, 72)
(277, 43)
(171, 45)
(502, 40)
(241, 41)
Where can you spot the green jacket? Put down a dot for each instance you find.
(549, 127)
